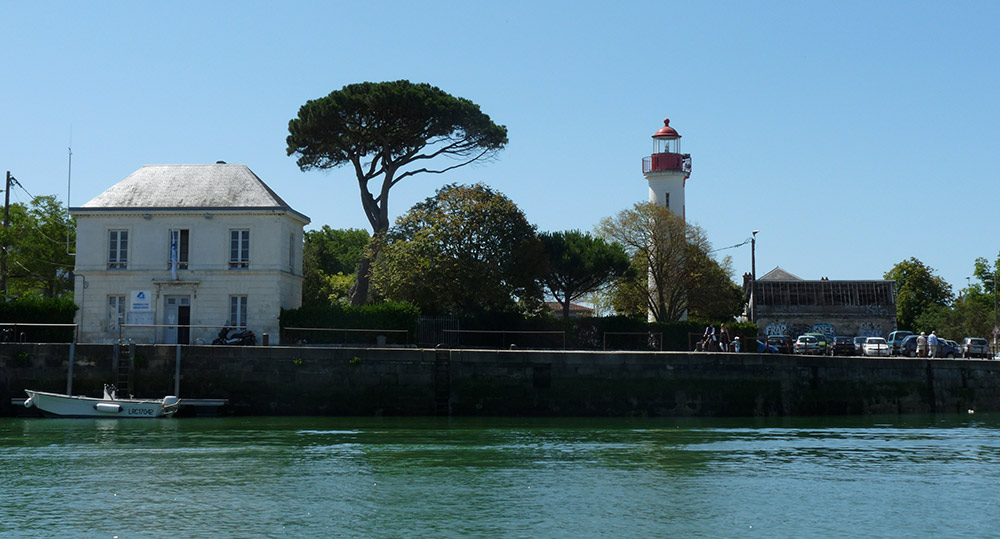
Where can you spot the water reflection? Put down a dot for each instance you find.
(511, 477)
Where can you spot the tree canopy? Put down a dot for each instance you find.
(388, 131)
(917, 290)
(664, 249)
(38, 259)
(580, 264)
(330, 257)
(467, 249)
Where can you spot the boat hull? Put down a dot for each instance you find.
(55, 404)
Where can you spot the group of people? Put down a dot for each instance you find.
(927, 345)
(718, 342)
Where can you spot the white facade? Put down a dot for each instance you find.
(191, 245)
(666, 188)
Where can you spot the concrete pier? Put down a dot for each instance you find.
(411, 381)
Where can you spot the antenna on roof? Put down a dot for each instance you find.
(69, 183)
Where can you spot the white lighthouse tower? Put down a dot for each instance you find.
(667, 170)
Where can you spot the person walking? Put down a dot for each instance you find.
(922, 345)
(932, 344)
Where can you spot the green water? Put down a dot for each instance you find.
(321, 477)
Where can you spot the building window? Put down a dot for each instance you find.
(238, 311)
(291, 253)
(116, 312)
(177, 250)
(118, 249)
(239, 249)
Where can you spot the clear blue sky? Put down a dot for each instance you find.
(853, 135)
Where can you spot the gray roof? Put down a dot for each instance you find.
(778, 274)
(194, 187)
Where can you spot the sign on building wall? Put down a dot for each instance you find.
(140, 301)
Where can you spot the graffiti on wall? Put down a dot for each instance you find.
(776, 328)
(826, 329)
(870, 329)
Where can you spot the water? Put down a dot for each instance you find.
(934, 476)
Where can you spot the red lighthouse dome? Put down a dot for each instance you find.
(667, 154)
(666, 132)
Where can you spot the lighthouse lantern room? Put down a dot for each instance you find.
(667, 169)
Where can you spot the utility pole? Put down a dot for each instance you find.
(6, 223)
(753, 275)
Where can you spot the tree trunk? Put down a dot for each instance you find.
(359, 292)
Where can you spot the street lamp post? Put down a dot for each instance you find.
(753, 275)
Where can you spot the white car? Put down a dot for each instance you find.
(875, 346)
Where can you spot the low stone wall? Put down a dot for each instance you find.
(407, 381)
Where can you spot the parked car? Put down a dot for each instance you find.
(975, 347)
(908, 348)
(876, 346)
(858, 346)
(764, 348)
(821, 340)
(841, 346)
(782, 342)
(895, 339)
(949, 349)
(807, 344)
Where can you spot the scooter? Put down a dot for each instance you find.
(243, 337)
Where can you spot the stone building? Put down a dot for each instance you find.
(784, 304)
(186, 245)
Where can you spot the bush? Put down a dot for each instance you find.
(38, 310)
(380, 316)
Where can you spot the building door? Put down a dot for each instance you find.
(177, 311)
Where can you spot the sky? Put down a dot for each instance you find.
(852, 135)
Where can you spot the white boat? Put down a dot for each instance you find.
(110, 406)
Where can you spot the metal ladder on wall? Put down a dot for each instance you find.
(124, 361)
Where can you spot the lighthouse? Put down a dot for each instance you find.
(667, 170)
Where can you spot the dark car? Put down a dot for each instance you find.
(949, 349)
(908, 346)
(946, 348)
(895, 339)
(782, 342)
(763, 348)
(841, 346)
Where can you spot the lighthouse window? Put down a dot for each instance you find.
(666, 200)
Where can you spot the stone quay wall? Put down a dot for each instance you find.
(409, 381)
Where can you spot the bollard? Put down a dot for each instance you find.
(265, 339)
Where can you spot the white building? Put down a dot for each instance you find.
(186, 245)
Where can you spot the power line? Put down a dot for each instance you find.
(746, 241)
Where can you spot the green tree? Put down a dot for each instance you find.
(580, 264)
(38, 257)
(917, 289)
(329, 259)
(712, 294)
(388, 131)
(467, 249)
(664, 249)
